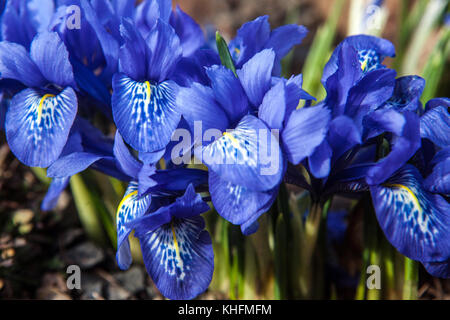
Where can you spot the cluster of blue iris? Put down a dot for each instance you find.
(150, 70)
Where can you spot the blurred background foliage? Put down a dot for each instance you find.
(293, 255)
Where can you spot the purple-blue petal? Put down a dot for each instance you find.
(238, 204)
(348, 72)
(198, 104)
(125, 160)
(37, 127)
(416, 222)
(130, 208)
(190, 34)
(273, 108)
(54, 191)
(52, 58)
(179, 258)
(145, 114)
(304, 131)
(320, 161)
(165, 50)
(250, 39)
(403, 147)
(371, 53)
(407, 92)
(435, 126)
(133, 54)
(228, 92)
(72, 164)
(438, 269)
(15, 63)
(284, 38)
(256, 76)
(248, 155)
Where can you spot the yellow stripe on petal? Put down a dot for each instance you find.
(41, 105)
(149, 90)
(364, 65)
(175, 241)
(180, 261)
(232, 138)
(121, 204)
(409, 191)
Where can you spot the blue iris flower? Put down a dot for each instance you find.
(412, 212)
(159, 42)
(151, 70)
(238, 190)
(39, 118)
(435, 127)
(256, 35)
(143, 101)
(373, 112)
(177, 250)
(240, 109)
(366, 101)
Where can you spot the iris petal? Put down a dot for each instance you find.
(72, 164)
(407, 93)
(256, 76)
(37, 127)
(238, 204)
(283, 38)
(439, 179)
(134, 51)
(145, 114)
(438, 269)
(273, 108)
(198, 104)
(404, 143)
(130, 208)
(190, 34)
(435, 126)
(228, 92)
(416, 222)
(51, 56)
(371, 53)
(250, 39)
(304, 131)
(15, 63)
(165, 49)
(56, 187)
(125, 160)
(179, 257)
(239, 156)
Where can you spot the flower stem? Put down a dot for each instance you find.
(411, 280)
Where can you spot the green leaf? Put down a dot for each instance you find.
(224, 53)
(421, 34)
(411, 279)
(87, 209)
(409, 20)
(435, 66)
(320, 52)
(281, 259)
